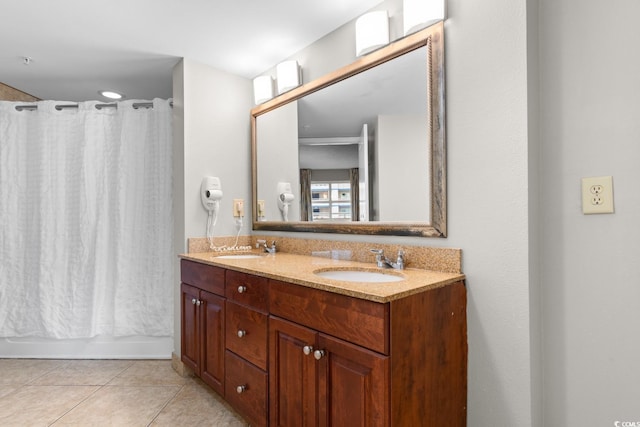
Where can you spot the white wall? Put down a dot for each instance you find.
(400, 146)
(553, 295)
(211, 137)
(590, 87)
(328, 156)
(278, 154)
(488, 200)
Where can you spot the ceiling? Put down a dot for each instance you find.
(397, 87)
(78, 47)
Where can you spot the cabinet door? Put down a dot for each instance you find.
(353, 385)
(212, 345)
(292, 375)
(190, 347)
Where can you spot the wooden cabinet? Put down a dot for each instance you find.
(292, 375)
(353, 375)
(203, 323)
(288, 355)
(320, 380)
(246, 345)
(341, 361)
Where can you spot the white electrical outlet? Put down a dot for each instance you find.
(238, 208)
(597, 195)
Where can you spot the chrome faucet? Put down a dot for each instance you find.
(270, 249)
(383, 262)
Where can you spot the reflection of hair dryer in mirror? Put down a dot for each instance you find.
(211, 194)
(285, 197)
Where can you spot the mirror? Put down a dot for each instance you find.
(359, 151)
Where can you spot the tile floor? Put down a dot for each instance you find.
(122, 393)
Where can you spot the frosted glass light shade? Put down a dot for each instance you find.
(288, 75)
(372, 31)
(419, 14)
(262, 89)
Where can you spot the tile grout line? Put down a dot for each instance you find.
(77, 404)
(64, 364)
(100, 387)
(167, 403)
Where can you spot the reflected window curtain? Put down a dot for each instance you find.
(87, 224)
(306, 213)
(354, 181)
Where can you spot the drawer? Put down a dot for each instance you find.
(246, 333)
(359, 321)
(202, 276)
(247, 289)
(246, 389)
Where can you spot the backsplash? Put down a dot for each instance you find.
(429, 258)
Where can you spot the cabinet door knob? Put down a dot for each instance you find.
(241, 333)
(198, 303)
(318, 354)
(193, 301)
(241, 389)
(307, 349)
(242, 289)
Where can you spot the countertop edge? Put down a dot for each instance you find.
(302, 277)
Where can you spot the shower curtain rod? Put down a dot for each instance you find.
(136, 105)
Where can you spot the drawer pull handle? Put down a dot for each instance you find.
(242, 289)
(318, 354)
(241, 333)
(307, 349)
(241, 389)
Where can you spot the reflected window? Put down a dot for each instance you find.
(331, 201)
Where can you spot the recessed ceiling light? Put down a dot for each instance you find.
(111, 94)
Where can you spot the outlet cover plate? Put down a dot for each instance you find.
(597, 195)
(238, 208)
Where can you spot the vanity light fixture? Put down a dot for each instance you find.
(419, 14)
(262, 89)
(287, 75)
(111, 94)
(372, 31)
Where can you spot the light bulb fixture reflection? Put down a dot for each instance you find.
(287, 75)
(372, 31)
(262, 89)
(419, 14)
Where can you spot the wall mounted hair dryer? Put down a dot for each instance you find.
(211, 194)
(285, 197)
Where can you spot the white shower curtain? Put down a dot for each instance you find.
(86, 220)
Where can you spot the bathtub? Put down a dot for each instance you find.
(101, 347)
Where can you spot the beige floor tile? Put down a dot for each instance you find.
(40, 405)
(120, 406)
(197, 405)
(22, 371)
(149, 372)
(84, 372)
(6, 390)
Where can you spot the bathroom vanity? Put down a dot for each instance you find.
(287, 347)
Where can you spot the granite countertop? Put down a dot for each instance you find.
(299, 269)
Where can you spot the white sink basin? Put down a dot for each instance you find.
(239, 256)
(359, 276)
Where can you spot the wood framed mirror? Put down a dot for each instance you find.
(387, 169)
